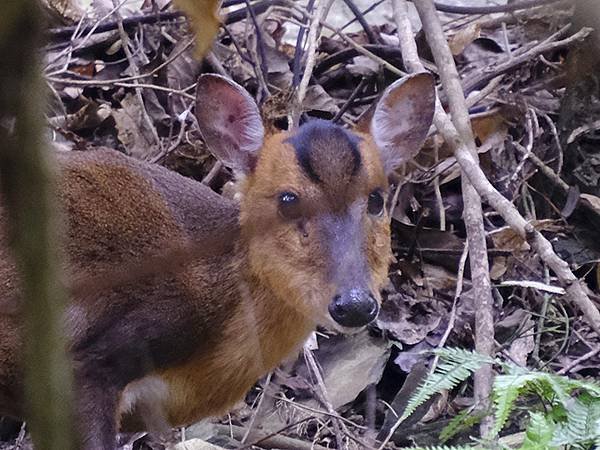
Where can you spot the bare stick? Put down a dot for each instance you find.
(549, 44)
(576, 292)
(321, 10)
(472, 213)
(136, 72)
(361, 19)
(312, 363)
(579, 360)
(452, 9)
(362, 50)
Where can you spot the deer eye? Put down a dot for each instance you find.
(375, 204)
(289, 205)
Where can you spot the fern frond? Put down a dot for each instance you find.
(582, 424)
(460, 447)
(463, 421)
(572, 420)
(506, 389)
(462, 356)
(554, 388)
(456, 365)
(539, 432)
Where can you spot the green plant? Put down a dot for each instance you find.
(566, 417)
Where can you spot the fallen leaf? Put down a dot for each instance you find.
(409, 320)
(132, 129)
(350, 364)
(196, 444)
(592, 201)
(318, 100)
(68, 11)
(459, 40)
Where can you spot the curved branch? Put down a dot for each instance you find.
(509, 7)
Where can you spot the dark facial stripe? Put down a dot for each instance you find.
(326, 152)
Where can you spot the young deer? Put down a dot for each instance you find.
(308, 244)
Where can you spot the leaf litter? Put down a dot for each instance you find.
(529, 123)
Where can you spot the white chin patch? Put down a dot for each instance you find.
(147, 397)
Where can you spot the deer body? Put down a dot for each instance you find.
(308, 244)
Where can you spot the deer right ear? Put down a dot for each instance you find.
(229, 121)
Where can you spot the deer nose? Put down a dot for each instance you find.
(354, 308)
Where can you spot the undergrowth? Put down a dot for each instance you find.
(565, 415)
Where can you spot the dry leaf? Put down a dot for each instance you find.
(350, 364)
(204, 20)
(196, 444)
(133, 132)
(509, 240)
(463, 37)
(592, 201)
(318, 100)
(409, 320)
(68, 10)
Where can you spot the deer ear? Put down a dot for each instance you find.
(402, 118)
(229, 121)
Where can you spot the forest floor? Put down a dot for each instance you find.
(533, 97)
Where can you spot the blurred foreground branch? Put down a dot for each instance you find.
(26, 186)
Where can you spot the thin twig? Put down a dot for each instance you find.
(509, 7)
(579, 360)
(262, 71)
(316, 371)
(348, 103)
(298, 51)
(257, 409)
(459, 288)
(136, 72)
(361, 19)
(363, 51)
(524, 57)
(322, 8)
(58, 34)
(363, 13)
(169, 60)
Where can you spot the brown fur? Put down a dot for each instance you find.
(226, 321)
(187, 342)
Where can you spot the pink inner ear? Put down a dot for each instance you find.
(402, 118)
(229, 121)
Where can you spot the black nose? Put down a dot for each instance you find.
(354, 308)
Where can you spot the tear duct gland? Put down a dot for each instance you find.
(307, 244)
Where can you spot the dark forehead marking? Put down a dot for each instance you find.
(327, 152)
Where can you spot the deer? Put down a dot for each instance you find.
(305, 242)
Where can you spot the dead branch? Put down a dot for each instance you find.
(510, 7)
(472, 212)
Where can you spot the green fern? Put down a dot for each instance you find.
(506, 390)
(456, 365)
(539, 432)
(572, 415)
(463, 421)
(583, 422)
(460, 447)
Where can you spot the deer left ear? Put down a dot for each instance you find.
(402, 118)
(229, 121)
